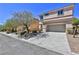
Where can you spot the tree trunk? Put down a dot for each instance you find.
(27, 28)
(74, 31)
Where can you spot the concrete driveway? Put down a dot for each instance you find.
(55, 41)
(11, 46)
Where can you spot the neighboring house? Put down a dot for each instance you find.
(58, 20)
(20, 28)
(35, 26)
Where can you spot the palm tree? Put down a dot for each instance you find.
(75, 23)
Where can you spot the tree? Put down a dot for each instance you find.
(75, 23)
(8, 25)
(18, 18)
(23, 17)
(11, 25)
(1, 27)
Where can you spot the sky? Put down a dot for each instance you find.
(7, 9)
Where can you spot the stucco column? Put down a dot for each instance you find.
(44, 28)
(68, 26)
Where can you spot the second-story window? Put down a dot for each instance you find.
(60, 12)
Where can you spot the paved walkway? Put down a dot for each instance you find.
(74, 43)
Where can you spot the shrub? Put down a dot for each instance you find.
(75, 21)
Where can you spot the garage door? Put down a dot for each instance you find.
(56, 28)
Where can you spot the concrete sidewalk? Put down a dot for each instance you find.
(52, 41)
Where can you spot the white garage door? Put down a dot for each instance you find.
(56, 28)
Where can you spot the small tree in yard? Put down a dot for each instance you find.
(75, 23)
(23, 17)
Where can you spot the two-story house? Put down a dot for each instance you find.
(58, 20)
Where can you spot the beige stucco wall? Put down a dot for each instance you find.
(50, 16)
(44, 28)
(70, 12)
(68, 25)
(62, 18)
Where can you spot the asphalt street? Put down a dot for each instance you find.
(11, 46)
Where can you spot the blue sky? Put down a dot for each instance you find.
(36, 8)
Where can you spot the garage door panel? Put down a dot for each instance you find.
(56, 28)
